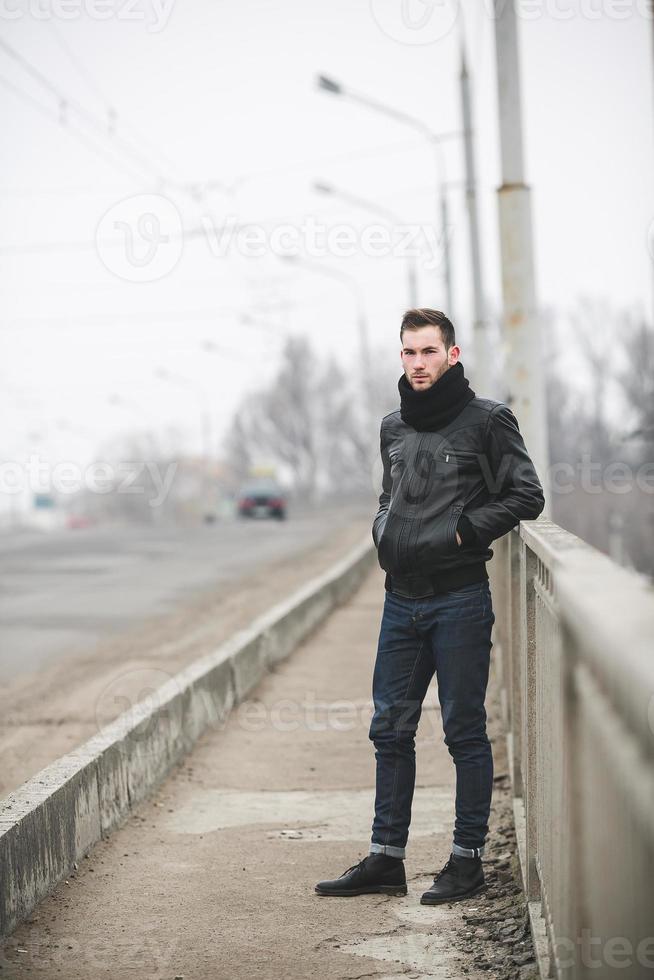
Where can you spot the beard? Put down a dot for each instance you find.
(441, 371)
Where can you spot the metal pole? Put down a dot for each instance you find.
(441, 184)
(412, 282)
(335, 88)
(480, 377)
(447, 254)
(652, 55)
(524, 376)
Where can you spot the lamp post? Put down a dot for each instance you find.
(333, 87)
(482, 380)
(324, 188)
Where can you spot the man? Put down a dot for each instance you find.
(456, 476)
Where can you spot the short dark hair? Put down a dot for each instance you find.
(414, 319)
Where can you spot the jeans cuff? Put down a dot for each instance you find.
(394, 852)
(467, 852)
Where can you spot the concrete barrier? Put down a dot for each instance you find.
(55, 818)
(574, 636)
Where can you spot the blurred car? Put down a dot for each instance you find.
(261, 498)
(76, 521)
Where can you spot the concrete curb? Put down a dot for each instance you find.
(55, 817)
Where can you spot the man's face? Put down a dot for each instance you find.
(424, 357)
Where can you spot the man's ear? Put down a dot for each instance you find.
(453, 357)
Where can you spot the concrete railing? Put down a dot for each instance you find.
(58, 815)
(575, 637)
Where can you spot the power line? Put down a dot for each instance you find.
(82, 137)
(231, 313)
(80, 190)
(130, 316)
(67, 103)
(112, 112)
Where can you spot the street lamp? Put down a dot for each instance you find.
(335, 88)
(324, 188)
(327, 84)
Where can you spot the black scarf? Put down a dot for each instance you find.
(435, 407)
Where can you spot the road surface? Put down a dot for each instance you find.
(92, 622)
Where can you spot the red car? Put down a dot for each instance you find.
(262, 498)
(75, 521)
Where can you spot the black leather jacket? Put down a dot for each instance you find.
(474, 475)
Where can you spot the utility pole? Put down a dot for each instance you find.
(652, 58)
(481, 379)
(447, 253)
(524, 375)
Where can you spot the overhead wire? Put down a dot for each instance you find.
(82, 137)
(115, 118)
(69, 105)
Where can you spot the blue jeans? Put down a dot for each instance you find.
(450, 635)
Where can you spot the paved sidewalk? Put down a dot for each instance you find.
(213, 878)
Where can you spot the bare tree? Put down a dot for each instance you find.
(279, 423)
(598, 431)
(313, 421)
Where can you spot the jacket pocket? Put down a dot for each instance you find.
(438, 540)
(378, 529)
(418, 545)
(464, 458)
(455, 514)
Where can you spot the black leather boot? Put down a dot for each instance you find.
(460, 878)
(376, 873)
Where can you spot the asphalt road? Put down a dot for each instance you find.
(63, 590)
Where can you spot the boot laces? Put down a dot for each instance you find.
(448, 868)
(355, 867)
